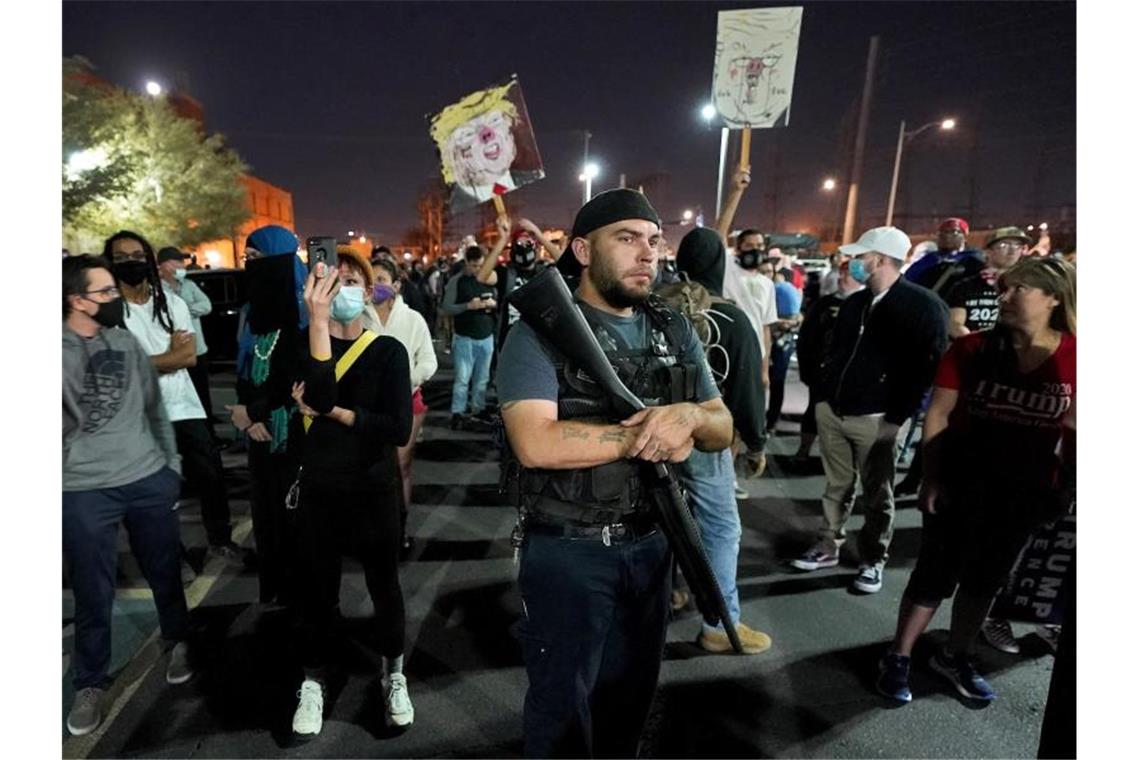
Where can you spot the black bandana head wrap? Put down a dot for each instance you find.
(605, 208)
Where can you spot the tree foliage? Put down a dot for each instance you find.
(147, 169)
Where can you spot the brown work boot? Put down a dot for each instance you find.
(753, 642)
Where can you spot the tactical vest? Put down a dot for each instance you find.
(611, 492)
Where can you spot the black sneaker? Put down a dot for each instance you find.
(230, 553)
(894, 677)
(458, 422)
(178, 669)
(407, 546)
(909, 485)
(959, 671)
(869, 580)
(488, 415)
(999, 634)
(477, 424)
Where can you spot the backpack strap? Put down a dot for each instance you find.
(346, 361)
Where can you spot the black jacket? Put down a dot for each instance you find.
(883, 359)
(815, 336)
(741, 389)
(378, 389)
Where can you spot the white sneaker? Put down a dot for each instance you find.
(308, 719)
(399, 705)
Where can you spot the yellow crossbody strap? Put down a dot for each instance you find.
(345, 362)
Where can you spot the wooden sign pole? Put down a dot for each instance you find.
(746, 149)
(500, 207)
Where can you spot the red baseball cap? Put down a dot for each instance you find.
(954, 223)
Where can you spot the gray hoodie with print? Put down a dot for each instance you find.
(115, 430)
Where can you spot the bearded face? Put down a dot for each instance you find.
(621, 269)
(482, 149)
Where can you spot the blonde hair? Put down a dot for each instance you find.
(1056, 277)
(455, 115)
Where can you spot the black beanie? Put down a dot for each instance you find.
(604, 208)
(701, 256)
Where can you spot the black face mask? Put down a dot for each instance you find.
(131, 272)
(111, 313)
(522, 255)
(749, 259)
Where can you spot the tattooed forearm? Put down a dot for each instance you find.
(569, 432)
(612, 436)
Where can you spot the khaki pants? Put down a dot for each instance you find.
(854, 445)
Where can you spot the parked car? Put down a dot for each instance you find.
(227, 290)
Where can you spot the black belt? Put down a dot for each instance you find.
(607, 533)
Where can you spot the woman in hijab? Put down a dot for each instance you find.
(270, 342)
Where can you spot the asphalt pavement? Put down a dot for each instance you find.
(811, 695)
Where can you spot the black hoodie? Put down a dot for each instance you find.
(701, 257)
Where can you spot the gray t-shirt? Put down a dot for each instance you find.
(527, 364)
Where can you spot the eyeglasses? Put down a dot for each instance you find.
(1007, 245)
(110, 290)
(129, 255)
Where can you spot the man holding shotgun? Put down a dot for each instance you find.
(594, 568)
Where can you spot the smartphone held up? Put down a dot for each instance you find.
(322, 250)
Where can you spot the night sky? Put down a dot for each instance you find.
(328, 100)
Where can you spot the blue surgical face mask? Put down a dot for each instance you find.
(858, 271)
(180, 274)
(348, 304)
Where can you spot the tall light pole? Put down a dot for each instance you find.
(585, 162)
(708, 113)
(945, 125)
(589, 171)
(856, 179)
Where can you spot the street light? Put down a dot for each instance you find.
(589, 172)
(708, 112)
(153, 88)
(83, 161)
(687, 215)
(829, 184)
(946, 125)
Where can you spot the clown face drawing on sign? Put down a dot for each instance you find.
(486, 145)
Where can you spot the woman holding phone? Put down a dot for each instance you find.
(356, 410)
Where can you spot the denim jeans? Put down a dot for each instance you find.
(592, 642)
(472, 359)
(709, 481)
(777, 379)
(90, 536)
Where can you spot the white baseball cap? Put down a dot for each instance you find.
(889, 241)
